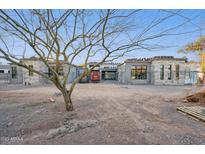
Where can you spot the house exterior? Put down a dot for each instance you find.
(159, 70)
(21, 75)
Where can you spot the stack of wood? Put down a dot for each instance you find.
(195, 112)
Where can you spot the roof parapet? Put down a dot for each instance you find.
(154, 58)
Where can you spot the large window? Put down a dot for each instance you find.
(14, 72)
(169, 72)
(139, 72)
(161, 72)
(1, 71)
(177, 72)
(30, 73)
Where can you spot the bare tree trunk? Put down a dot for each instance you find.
(67, 99)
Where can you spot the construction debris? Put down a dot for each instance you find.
(195, 112)
(71, 126)
(9, 124)
(51, 100)
(57, 94)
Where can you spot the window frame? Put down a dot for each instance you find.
(30, 72)
(14, 72)
(161, 72)
(139, 72)
(177, 67)
(169, 72)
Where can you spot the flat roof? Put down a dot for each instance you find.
(154, 58)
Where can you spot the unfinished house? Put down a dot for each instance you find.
(159, 70)
(20, 75)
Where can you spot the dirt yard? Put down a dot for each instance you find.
(104, 114)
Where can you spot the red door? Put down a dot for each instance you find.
(95, 76)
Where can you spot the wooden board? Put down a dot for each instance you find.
(197, 112)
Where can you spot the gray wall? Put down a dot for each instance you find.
(174, 81)
(153, 72)
(24, 78)
(19, 78)
(124, 73)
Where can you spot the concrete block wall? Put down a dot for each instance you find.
(35, 79)
(125, 76)
(174, 81)
(19, 77)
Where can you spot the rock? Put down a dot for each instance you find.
(185, 101)
(57, 94)
(51, 100)
(9, 124)
(168, 100)
(70, 127)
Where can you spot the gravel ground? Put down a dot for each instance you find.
(104, 114)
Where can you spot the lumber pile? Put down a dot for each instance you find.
(195, 112)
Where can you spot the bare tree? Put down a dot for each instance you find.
(68, 36)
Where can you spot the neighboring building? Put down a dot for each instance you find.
(94, 75)
(21, 75)
(109, 71)
(105, 71)
(85, 78)
(159, 70)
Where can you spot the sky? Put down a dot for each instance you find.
(171, 43)
(175, 43)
